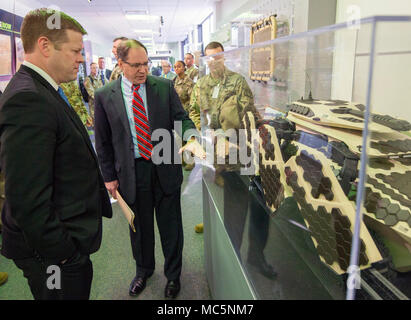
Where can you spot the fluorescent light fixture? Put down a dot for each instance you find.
(141, 15)
(141, 12)
(145, 38)
(145, 31)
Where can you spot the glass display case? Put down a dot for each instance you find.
(307, 185)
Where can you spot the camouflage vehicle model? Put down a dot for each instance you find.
(312, 153)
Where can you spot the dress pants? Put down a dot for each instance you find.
(76, 276)
(150, 197)
(238, 202)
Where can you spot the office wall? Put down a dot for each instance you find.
(391, 84)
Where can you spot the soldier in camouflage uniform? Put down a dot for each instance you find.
(73, 94)
(117, 70)
(224, 97)
(92, 83)
(191, 71)
(184, 86)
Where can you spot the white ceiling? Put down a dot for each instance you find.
(106, 18)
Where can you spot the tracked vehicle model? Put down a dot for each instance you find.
(312, 154)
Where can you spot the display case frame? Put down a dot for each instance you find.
(324, 66)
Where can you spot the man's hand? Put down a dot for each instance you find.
(89, 122)
(112, 188)
(195, 148)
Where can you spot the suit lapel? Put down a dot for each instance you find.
(67, 109)
(116, 100)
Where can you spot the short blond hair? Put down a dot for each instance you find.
(35, 25)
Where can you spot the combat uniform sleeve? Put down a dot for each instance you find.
(72, 91)
(190, 89)
(194, 110)
(89, 87)
(81, 111)
(246, 98)
(115, 74)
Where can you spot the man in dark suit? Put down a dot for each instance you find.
(128, 112)
(55, 194)
(103, 73)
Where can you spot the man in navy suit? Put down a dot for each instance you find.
(55, 194)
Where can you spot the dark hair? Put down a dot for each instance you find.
(214, 45)
(182, 62)
(36, 24)
(190, 54)
(92, 63)
(126, 45)
(120, 38)
(101, 58)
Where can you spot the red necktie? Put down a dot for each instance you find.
(141, 124)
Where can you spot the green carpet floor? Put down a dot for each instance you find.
(114, 266)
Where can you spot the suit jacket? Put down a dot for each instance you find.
(55, 194)
(114, 143)
(108, 74)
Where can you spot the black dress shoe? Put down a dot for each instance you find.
(137, 285)
(264, 268)
(267, 270)
(172, 289)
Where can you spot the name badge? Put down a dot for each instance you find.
(216, 92)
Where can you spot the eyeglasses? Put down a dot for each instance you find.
(137, 65)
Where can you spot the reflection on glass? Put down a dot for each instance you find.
(313, 177)
(19, 53)
(5, 55)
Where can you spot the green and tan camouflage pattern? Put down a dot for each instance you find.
(73, 94)
(184, 87)
(117, 72)
(231, 85)
(91, 87)
(192, 73)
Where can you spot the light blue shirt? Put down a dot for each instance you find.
(128, 99)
